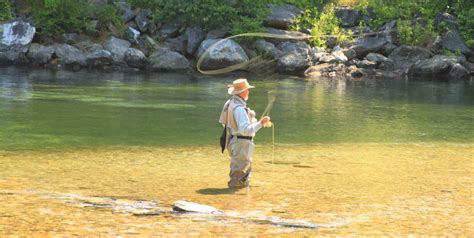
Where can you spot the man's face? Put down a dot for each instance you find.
(245, 94)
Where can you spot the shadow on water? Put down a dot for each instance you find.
(217, 191)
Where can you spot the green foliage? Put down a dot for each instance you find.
(54, 17)
(5, 10)
(466, 25)
(107, 14)
(321, 25)
(415, 34)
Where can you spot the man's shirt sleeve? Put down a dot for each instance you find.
(243, 123)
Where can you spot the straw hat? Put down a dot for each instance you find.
(238, 86)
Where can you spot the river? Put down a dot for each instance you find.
(81, 151)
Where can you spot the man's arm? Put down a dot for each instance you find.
(243, 122)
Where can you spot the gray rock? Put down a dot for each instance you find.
(135, 58)
(147, 45)
(366, 64)
(125, 12)
(132, 35)
(340, 56)
(363, 46)
(447, 20)
(99, 57)
(12, 56)
(217, 34)
(69, 55)
(177, 44)
(349, 17)
(389, 31)
(117, 47)
(40, 54)
(387, 49)
(164, 59)
(142, 19)
(281, 16)
(222, 54)
(458, 72)
(430, 67)
(404, 56)
(296, 56)
(328, 58)
(88, 47)
(16, 35)
(453, 42)
(349, 53)
(382, 61)
(319, 70)
(195, 36)
(267, 48)
(184, 206)
(436, 45)
(170, 29)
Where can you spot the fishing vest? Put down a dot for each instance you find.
(231, 105)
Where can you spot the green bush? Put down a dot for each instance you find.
(5, 10)
(466, 26)
(321, 25)
(54, 17)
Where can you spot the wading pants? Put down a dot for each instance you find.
(240, 151)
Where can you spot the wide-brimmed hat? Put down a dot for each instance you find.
(238, 86)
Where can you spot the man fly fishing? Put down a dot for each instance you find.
(240, 126)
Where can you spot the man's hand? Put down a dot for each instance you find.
(265, 120)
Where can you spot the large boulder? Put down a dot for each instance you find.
(382, 61)
(363, 46)
(16, 35)
(135, 58)
(117, 47)
(404, 56)
(12, 56)
(437, 65)
(164, 59)
(221, 53)
(349, 17)
(296, 56)
(282, 15)
(99, 57)
(40, 54)
(69, 55)
(458, 72)
(195, 35)
(453, 42)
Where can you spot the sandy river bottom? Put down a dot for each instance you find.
(345, 189)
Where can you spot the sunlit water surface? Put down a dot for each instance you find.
(87, 153)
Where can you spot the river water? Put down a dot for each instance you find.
(89, 153)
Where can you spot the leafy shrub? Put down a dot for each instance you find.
(5, 10)
(55, 17)
(466, 26)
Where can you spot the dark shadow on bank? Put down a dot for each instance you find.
(217, 191)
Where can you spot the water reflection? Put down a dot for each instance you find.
(57, 109)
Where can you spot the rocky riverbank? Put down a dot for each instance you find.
(171, 46)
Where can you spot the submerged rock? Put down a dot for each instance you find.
(184, 206)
